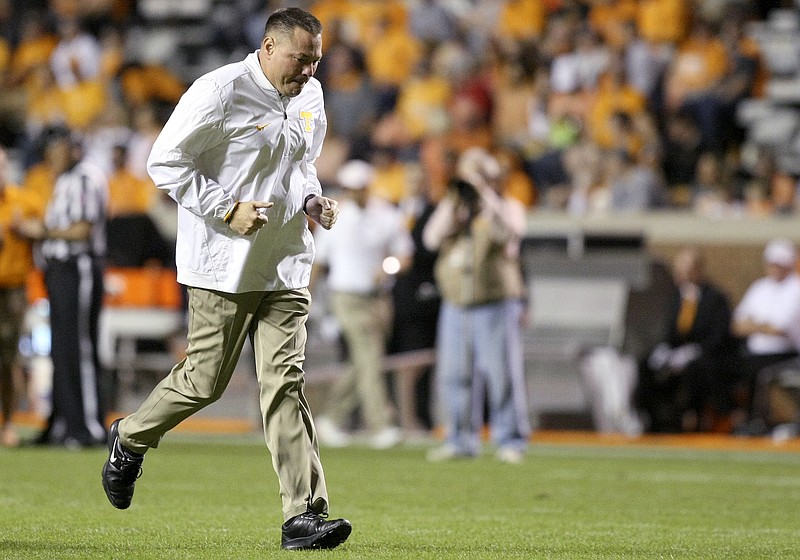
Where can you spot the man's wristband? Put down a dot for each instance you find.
(305, 203)
(229, 215)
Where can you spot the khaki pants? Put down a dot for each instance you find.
(365, 322)
(218, 325)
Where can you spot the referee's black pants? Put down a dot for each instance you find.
(75, 293)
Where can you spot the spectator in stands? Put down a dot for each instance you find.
(351, 101)
(127, 193)
(16, 263)
(391, 59)
(694, 74)
(611, 19)
(432, 22)
(645, 63)
(36, 44)
(76, 57)
(238, 154)
(133, 238)
(368, 247)
(767, 319)
(683, 145)
(632, 186)
(685, 379)
(663, 21)
(477, 231)
(709, 190)
(746, 77)
(73, 243)
(783, 191)
(522, 19)
(615, 96)
(75, 63)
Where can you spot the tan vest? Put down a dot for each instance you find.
(473, 268)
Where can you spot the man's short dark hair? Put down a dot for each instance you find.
(287, 20)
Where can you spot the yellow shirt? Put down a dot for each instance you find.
(422, 105)
(143, 84)
(612, 98)
(390, 182)
(609, 20)
(522, 19)
(40, 180)
(697, 66)
(663, 20)
(128, 194)
(83, 103)
(31, 53)
(392, 58)
(16, 258)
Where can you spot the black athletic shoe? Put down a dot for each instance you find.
(120, 471)
(309, 531)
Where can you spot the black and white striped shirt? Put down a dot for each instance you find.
(79, 195)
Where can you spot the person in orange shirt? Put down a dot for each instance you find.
(610, 18)
(697, 70)
(663, 21)
(127, 193)
(16, 262)
(522, 19)
(614, 95)
(34, 49)
(391, 60)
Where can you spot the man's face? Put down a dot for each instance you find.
(289, 61)
(777, 272)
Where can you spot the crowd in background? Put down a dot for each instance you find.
(591, 105)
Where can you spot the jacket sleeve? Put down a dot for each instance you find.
(194, 128)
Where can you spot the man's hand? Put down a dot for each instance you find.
(29, 228)
(323, 210)
(249, 217)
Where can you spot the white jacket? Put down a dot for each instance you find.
(231, 138)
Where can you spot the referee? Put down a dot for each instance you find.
(72, 240)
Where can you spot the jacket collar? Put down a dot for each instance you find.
(252, 64)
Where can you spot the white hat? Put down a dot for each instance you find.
(780, 252)
(355, 174)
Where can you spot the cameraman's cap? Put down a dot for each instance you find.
(355, 175)
(780, 252)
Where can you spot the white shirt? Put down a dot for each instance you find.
(233, 137)
(354, 249)
(82, 51)
(775, 303)
(79, 195)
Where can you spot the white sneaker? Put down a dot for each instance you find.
(510, 455)
(330, 435)
(386, 438)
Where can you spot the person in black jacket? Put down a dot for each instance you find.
(685, 380)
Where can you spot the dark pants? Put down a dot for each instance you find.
(703, 386)
(75, 292)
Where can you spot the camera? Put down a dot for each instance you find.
(465, 191)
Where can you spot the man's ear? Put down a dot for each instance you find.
(268, 44)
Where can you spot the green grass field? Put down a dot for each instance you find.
(204, 497)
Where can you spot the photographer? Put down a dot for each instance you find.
(477, 232)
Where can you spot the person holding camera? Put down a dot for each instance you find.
(477, 232)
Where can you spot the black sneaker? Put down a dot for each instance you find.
(309, 531)
(120, 471)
